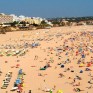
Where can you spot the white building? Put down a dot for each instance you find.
(5, 18)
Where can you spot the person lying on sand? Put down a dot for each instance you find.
(61, 75)
(90, 74)
(89, 87)
(90, 81)
(78, 84)
(54, 87)
(0, 71)
(78, 77)
(47, 90)
(77, 90)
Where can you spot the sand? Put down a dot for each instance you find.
(58, 47)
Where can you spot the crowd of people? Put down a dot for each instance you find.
(60, 61)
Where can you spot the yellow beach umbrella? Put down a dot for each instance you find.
(81, 65)
(59, 91)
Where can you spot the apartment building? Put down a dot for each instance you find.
(33, 20)
(5, 18)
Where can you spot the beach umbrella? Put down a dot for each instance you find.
(29, 91)
(17, 52)
(42, 68)
(83, 56)
(89, 64)
(81, 65)
(20, 71)
(77, 89)
(20, 88)
(17, 65)
(62, 66)
(18, 81)
(87, 69)
(81, 71)
(50, 91)
(59, 91)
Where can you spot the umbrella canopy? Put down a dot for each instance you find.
(18, 81)
(81, 65)
(17, 65)
(59, 91)
(20, 71)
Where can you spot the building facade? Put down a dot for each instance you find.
(33, 20)
(5, 19)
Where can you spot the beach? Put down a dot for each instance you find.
(60, 58)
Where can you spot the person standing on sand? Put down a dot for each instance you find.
(44, 80)
(29, 91)
(36, 57)
(74, 80)
(61, 75)
(54, 87)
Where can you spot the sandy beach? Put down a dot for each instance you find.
(60, 58)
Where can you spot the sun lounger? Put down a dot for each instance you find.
(6, 84)
(6, 81)
(14, 88)
(4, 87)
(47, 90)
(6, 77)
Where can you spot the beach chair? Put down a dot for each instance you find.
(4, 87)
(6, 84)
(14, 89)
